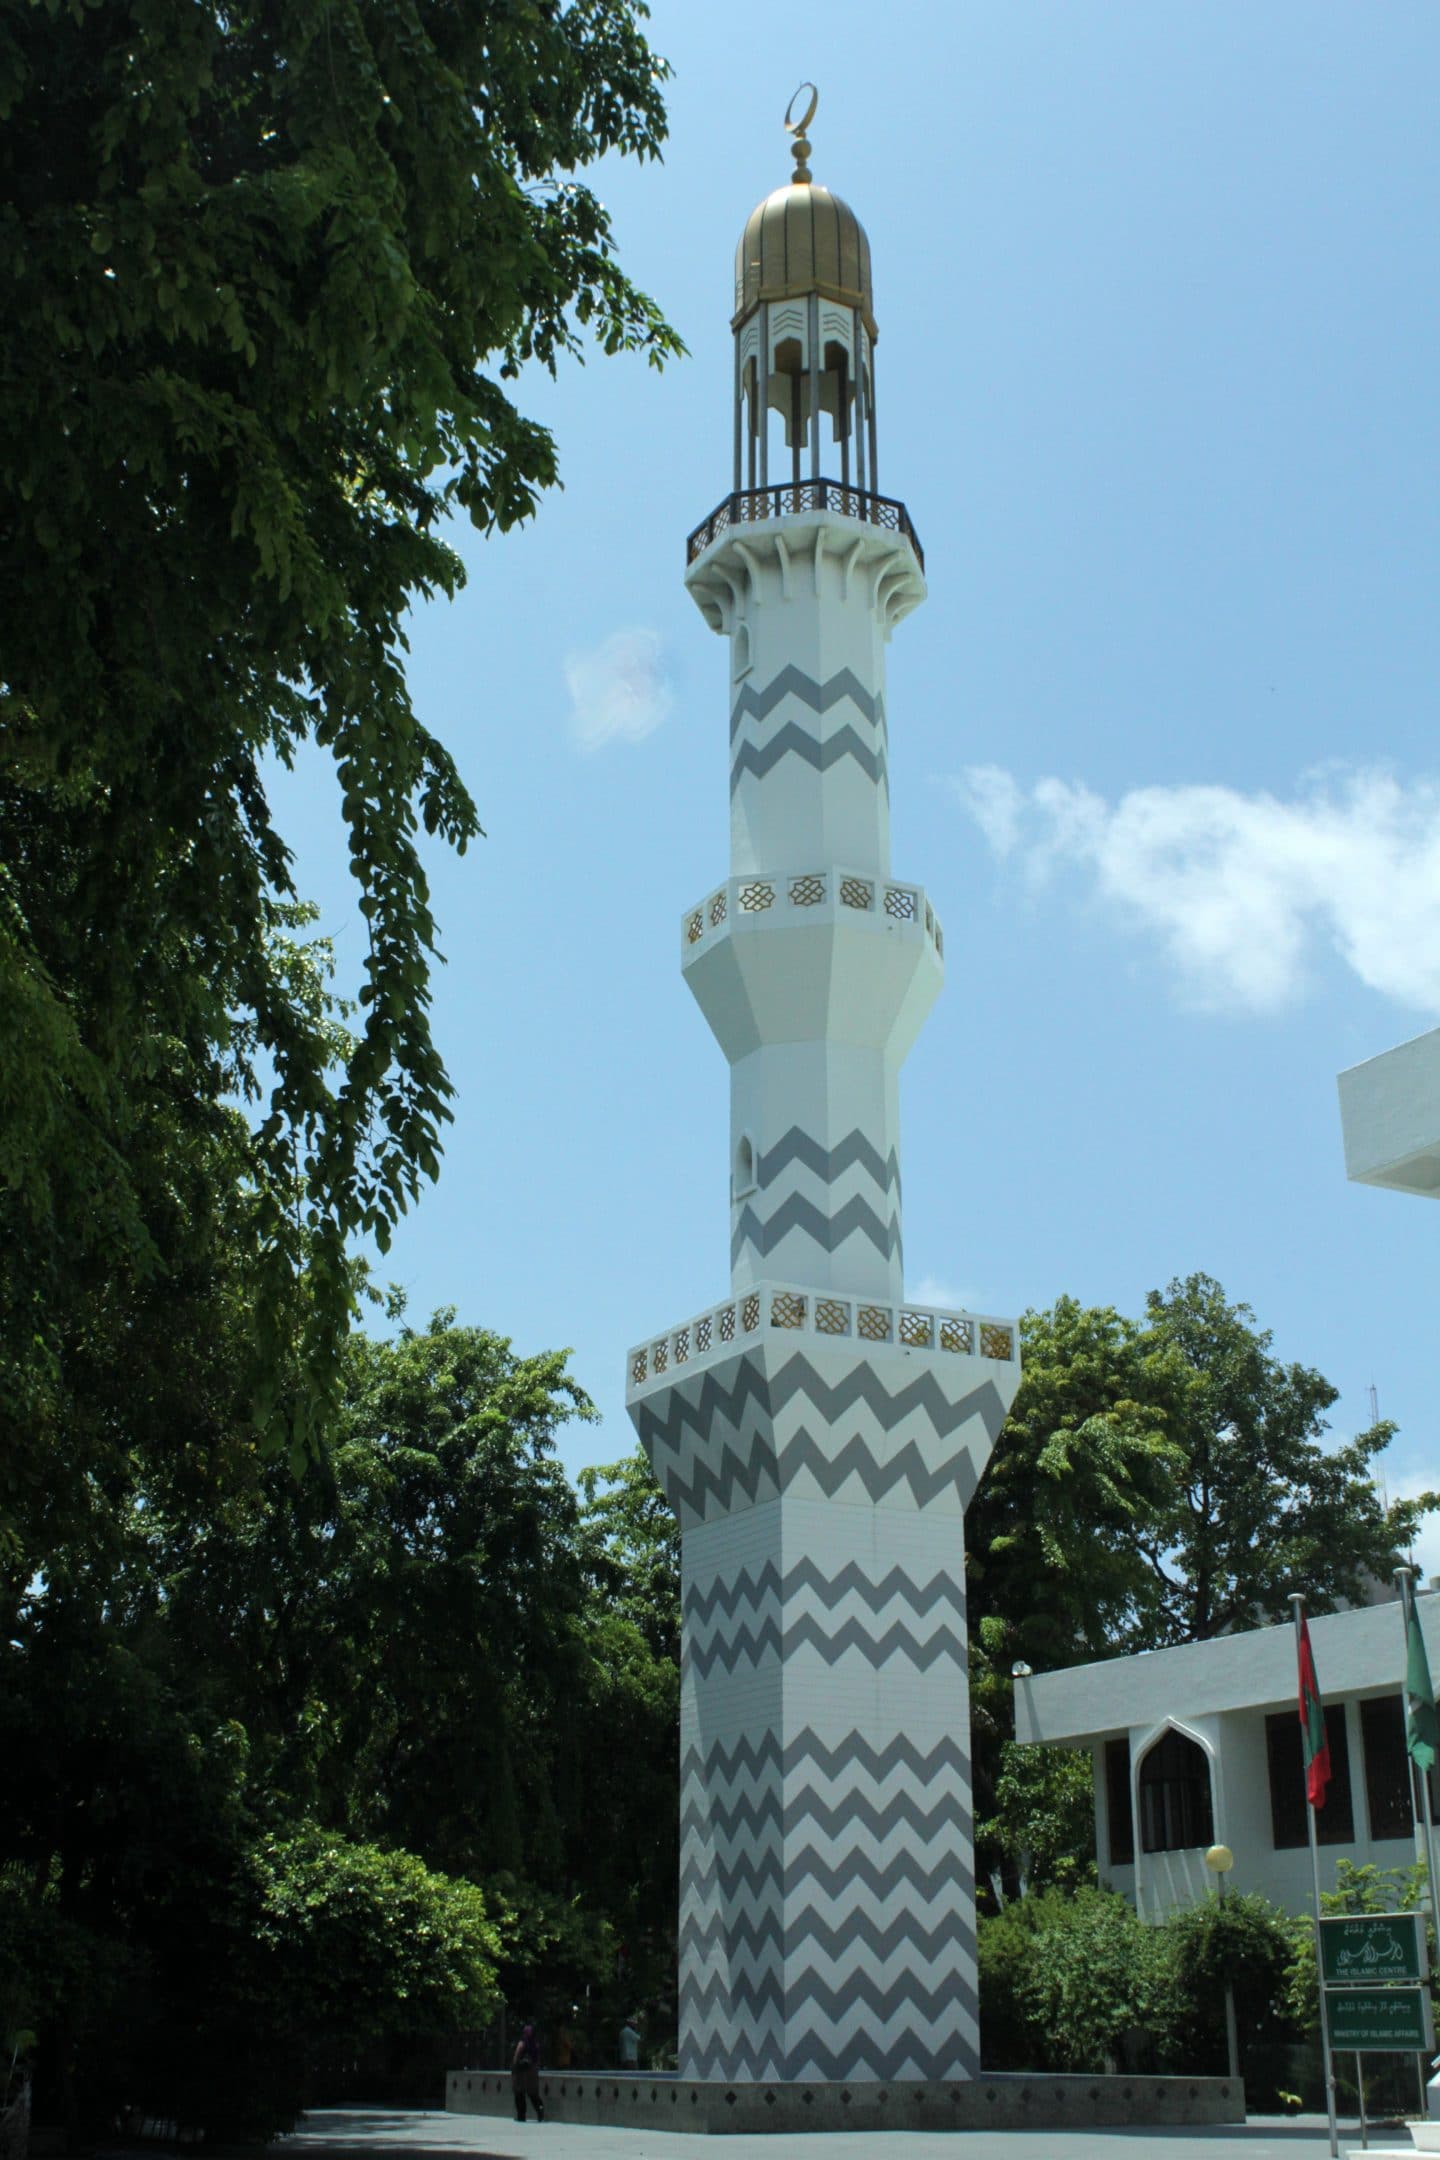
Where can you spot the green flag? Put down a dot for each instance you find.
(1422, 1728)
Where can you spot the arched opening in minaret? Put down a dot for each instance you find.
(837, 396)
(789, 396)
(739, 651)
(744, 1173)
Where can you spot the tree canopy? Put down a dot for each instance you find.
(268, 275)
(261, 1730)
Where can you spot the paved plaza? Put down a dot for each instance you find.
(374, 2133)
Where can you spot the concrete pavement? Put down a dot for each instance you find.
(358, 2133)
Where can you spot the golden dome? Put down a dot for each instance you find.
(803, 239)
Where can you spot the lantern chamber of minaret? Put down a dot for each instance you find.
(818, 1437)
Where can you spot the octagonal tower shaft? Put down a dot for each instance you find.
(822, 966)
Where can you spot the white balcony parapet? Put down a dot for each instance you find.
(792, 894)
(768, 1308)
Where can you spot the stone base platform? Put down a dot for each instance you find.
(1008, 2100)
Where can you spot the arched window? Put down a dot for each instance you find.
(739, 651)
(1175, 1808)
(744, 1167)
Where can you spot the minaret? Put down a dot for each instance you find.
(818, 1437)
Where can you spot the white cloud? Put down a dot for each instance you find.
(618, 690)
(1239, 888)
(943, 1296)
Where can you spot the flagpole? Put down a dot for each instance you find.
(1419, 1782)
(1297, 1610)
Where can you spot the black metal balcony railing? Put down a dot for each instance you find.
(751, 506)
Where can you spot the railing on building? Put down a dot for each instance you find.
(752, 506)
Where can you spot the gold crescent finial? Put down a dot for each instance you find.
(801, 147)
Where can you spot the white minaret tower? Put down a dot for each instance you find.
(818, 1437)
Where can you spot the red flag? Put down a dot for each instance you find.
(1314, 1740)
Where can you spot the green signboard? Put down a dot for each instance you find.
(1369, 1949)
(1379, 2020)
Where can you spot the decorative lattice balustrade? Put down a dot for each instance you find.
(793, 891)
(787, 1308)
(792, 498)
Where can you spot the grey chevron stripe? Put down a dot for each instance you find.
(807, 1993)
(714, 1403)
(754, 1814)
(793, 682)
(854, 1752)
(744, 1467)
(952, 1934)
(863, 1384)
(828, 1163)
(855, 1219)
(730, 1994)
(857, 1459)
(747, 1872)
(834, 1819)
(793, 740)
(733, 1933)
(911, 2055)
(747, 1592)
(830, 1643)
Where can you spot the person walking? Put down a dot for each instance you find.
(629, 2045)
(525, 2074)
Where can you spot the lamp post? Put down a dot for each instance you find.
(1219, 1859)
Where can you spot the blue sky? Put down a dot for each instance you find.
(1157, 380)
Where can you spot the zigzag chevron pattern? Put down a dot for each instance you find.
(745, 1591)
(752, 1617)
(764, 1937)
(877, 1819)
(794, 741)
(831, 1644)
(760, 1875)
(714, 1446)
(856, 1150)
(793, 682)
(926, 2005)
(752, 1757)
(826, 1889)
(855, 1219)
(866, 2057)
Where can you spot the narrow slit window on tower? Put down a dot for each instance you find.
(744, 1181)
(740, 662)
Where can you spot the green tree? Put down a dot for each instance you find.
(1044, 1821)
(266, 273)
(632, 1796)
(1261, 1504)
(1245, 1943)
(633, 1549)
(1055, 1569)
(1098, 1987)
(402, 1634)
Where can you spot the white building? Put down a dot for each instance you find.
(1201, 1745)
(1390, 1114)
